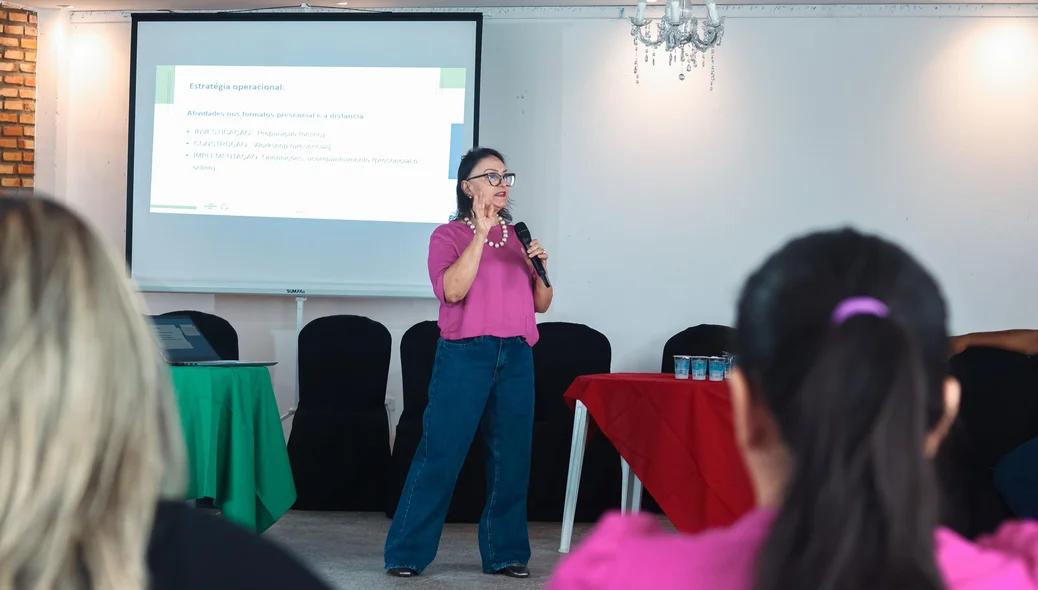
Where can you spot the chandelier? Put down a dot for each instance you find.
(679, 34)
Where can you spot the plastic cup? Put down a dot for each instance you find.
(699, 368)
(681, 366)
(717, 368)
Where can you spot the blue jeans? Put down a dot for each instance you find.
(484, 382)
(1016, 478)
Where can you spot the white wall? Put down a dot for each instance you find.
(656, 199)
(52, 102)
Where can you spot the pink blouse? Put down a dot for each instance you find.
(629, 553)
(500, 301)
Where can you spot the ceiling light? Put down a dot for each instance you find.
(679, 34)
(342, 3)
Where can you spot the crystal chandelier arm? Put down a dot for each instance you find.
(639, 32)
(711, 35)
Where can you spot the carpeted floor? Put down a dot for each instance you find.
(346, 548)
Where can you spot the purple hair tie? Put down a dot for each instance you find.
(849, 308)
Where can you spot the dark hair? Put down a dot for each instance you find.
(468, 163)
(854, 403)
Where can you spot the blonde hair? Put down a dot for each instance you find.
(89, 434)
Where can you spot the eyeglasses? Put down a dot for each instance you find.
(496, 179)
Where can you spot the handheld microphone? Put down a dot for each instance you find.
(524, 236)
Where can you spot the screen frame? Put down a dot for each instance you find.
(139, 17)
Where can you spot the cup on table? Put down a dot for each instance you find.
(699, 368)
(717, 368)
(681, 366)
(729, 365)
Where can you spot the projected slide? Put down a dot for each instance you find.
(358, 143)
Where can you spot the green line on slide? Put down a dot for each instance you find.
(164, 77)
(174, 207)
(452, 78)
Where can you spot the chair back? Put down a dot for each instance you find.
(999, 407)
(701, 340)
(417, 357)
(220, 334)
(344, 363)
(564, 352)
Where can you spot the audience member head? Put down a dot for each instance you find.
(482, 173)
(89, 435)
(841, 399)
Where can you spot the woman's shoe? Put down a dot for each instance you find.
(402, 572)
(515, 571)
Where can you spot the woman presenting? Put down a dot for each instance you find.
(482, 377)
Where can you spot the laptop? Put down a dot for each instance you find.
(183, 345)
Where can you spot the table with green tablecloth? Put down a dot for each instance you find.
(235, 445)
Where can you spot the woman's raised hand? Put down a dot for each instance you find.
(483, 216)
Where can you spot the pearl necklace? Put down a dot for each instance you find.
(504, 232)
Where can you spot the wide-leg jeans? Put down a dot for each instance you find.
(487, 383)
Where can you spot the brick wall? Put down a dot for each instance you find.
(18, 95)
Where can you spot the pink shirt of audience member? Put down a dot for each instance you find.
(500, 301)
(635, 552)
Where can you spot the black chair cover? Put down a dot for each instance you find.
(417, 355)
(217, 331)
(339, 446)
(701, 340)
(564, 352)
(998, 413)
(222, 336)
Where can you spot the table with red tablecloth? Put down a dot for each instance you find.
(677, 437)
